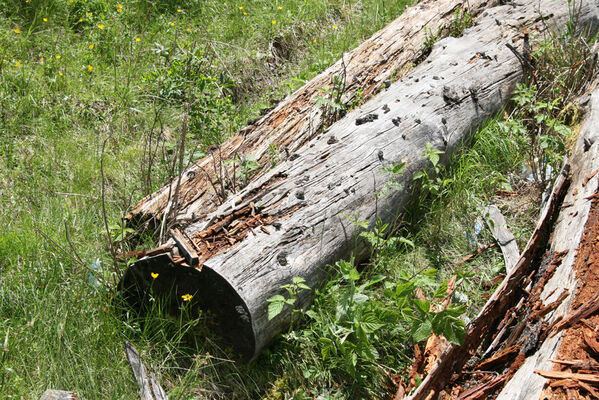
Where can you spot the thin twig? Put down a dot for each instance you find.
(52, 241)
(105, 217)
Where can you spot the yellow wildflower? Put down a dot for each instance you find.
(119, 8)
(91, 46)
(241, 7)
(80, 19)
(179, 10)
(60, 73)
(58, 56)
(90, 68)
(89, 14)
(45, 19)
(42, 60)
(18, 64)
(17, 31)
(334, 26)
(188, 30)
(186, 297)
(279, 8)
(274, 22)
(137, 39)
(172, 24)
(101, 26)
(154, 275)
(314, 41)
(244, 13)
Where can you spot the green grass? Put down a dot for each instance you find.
(77, 77)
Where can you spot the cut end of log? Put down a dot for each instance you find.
(205, 290)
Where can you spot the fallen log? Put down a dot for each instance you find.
(293, 220)
(297, 119)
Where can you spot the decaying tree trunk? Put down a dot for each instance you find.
(544, 309)
(295, 219)
(295, 120)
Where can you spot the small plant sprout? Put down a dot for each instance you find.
(278, 301)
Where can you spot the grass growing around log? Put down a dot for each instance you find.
(85, 86)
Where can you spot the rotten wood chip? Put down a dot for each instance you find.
(593, 378)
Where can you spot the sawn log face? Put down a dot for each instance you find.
(298, 220)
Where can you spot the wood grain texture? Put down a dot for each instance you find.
(302, 205)
(296, 119)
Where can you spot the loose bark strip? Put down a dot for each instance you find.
(590, 339)
(588, 308)
(505, 239)
(500, 358)
(577, 364)
(483, 391)
(305, 202)
(296, 120)
(593, 378)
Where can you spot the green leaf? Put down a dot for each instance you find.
(370, 323)
(276, 298)
(354, 275)
(274, 309)
(360, 298)
(422, 305)
(449, 326)
(422, 331)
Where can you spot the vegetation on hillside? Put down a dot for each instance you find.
(87, 86)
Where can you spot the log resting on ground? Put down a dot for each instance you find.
(292, 221)
(296, 119)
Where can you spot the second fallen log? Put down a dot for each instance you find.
(295, 220)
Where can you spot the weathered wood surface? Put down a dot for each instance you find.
(58, 395)
(567, 234)
(149, 388)
(296, 119)
(292, 221)
(505, 238)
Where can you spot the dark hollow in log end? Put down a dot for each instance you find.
(210, 292)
